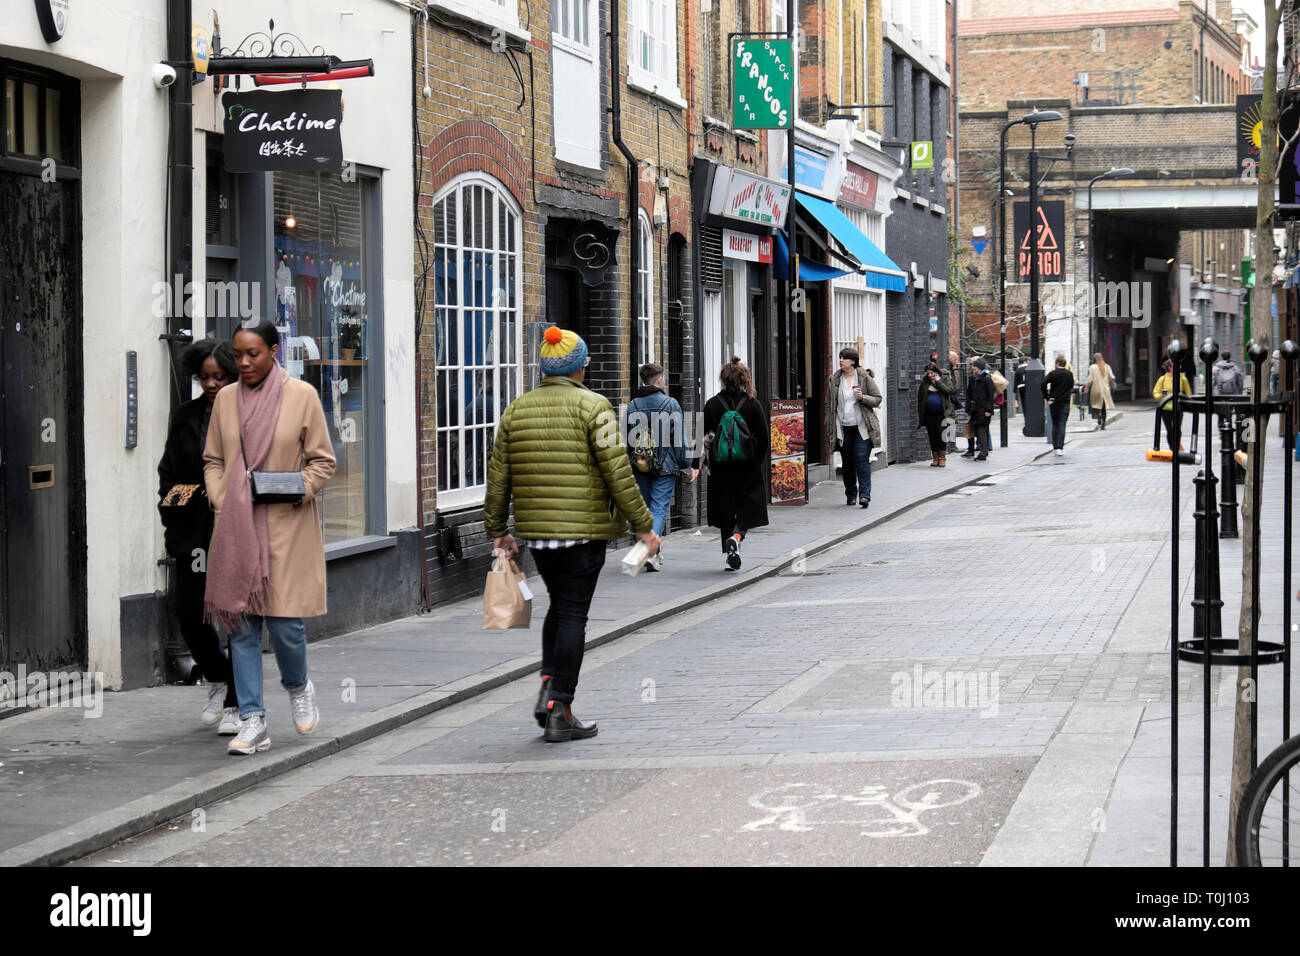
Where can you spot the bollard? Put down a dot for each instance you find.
(1228, 493)
(1207, 615)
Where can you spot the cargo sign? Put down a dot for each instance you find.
(743, 245)
(1049, 221)
(762, 84)
(738, 195)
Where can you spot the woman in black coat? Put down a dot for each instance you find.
(187, 525)
(737, 496)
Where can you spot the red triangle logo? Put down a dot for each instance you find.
(1046, 238)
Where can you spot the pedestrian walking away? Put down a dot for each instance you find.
(559, 457)
(1227, 377)
(852, 398)
(935, 411)
(980, 400)
(656, 448)
(1058, 384)
(1164, 386)
(954, 370)
(187, 527)
(1100, 381)
(266, 566)
(1018, 384)
(736, 431)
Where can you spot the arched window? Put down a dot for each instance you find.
(478, 291)
(645, 324)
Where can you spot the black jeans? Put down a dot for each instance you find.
(1173, 430)
(934, 428)
(980, 426)
(855, 464)
(570, 575)
(1060, 413)
(200, 637)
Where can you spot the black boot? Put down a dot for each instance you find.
(560, 729)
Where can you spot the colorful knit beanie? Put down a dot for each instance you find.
(563, 353)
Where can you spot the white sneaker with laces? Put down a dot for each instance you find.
(1060, 452)
(303, 704)
(655, 563)
(253, 737)
(230, 722)
(216, 702)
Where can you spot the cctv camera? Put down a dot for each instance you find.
(163, 76)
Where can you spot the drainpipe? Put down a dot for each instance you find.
(633, 168)
(180, 169)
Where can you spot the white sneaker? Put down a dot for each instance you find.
(230, 722)
(253, 737)
(303, 705)
(1060, 452)
(655, 562)
(216, 703)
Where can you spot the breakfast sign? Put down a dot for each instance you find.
(281, 132)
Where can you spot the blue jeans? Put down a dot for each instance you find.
(657, 490)
(288, 638)
(855, 464)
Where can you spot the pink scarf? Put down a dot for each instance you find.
(239, 558)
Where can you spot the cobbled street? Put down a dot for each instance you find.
(889, 702)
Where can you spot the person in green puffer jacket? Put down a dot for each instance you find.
(560, 456)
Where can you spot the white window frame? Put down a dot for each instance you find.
(506, 378)
(579, 154)
(645, 320)
(493, 13)
(660, 78)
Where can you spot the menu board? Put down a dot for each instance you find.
(789, 461)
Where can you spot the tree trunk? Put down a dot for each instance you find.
(1261, 310)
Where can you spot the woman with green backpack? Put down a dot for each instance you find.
(736, 431)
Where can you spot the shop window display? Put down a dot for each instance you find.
(323, 311)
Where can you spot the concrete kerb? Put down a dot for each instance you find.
(145, 813)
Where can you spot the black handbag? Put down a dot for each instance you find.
(274, 487)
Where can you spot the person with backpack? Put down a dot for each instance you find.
(1165, 385)
(656, 449)
(1058, 385)
(852, 398)
(736, 431)
(1227, 377)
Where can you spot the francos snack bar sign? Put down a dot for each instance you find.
(276, 132)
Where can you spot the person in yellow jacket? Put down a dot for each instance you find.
(1165, 385)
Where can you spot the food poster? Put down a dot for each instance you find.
(789, 463)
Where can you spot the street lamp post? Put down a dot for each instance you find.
(1031, 120)
(1092, 258)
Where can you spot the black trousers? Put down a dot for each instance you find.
(570, 575)
(1173, 430)
(200, 637)
(934, 430)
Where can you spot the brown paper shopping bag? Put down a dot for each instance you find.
(507, 602)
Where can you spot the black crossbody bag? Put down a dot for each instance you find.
(273, 487)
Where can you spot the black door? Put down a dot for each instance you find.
(42, 501)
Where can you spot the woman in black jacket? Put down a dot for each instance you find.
(187, 522)
(737, 495)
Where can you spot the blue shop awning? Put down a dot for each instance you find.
(882, 273)
(809, 270)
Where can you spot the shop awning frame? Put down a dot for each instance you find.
(880, 271)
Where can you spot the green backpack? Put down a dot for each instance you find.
(734, 441)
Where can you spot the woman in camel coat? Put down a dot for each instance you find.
(267, 561)
(1100, 379)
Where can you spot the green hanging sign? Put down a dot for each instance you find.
(763, 84)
